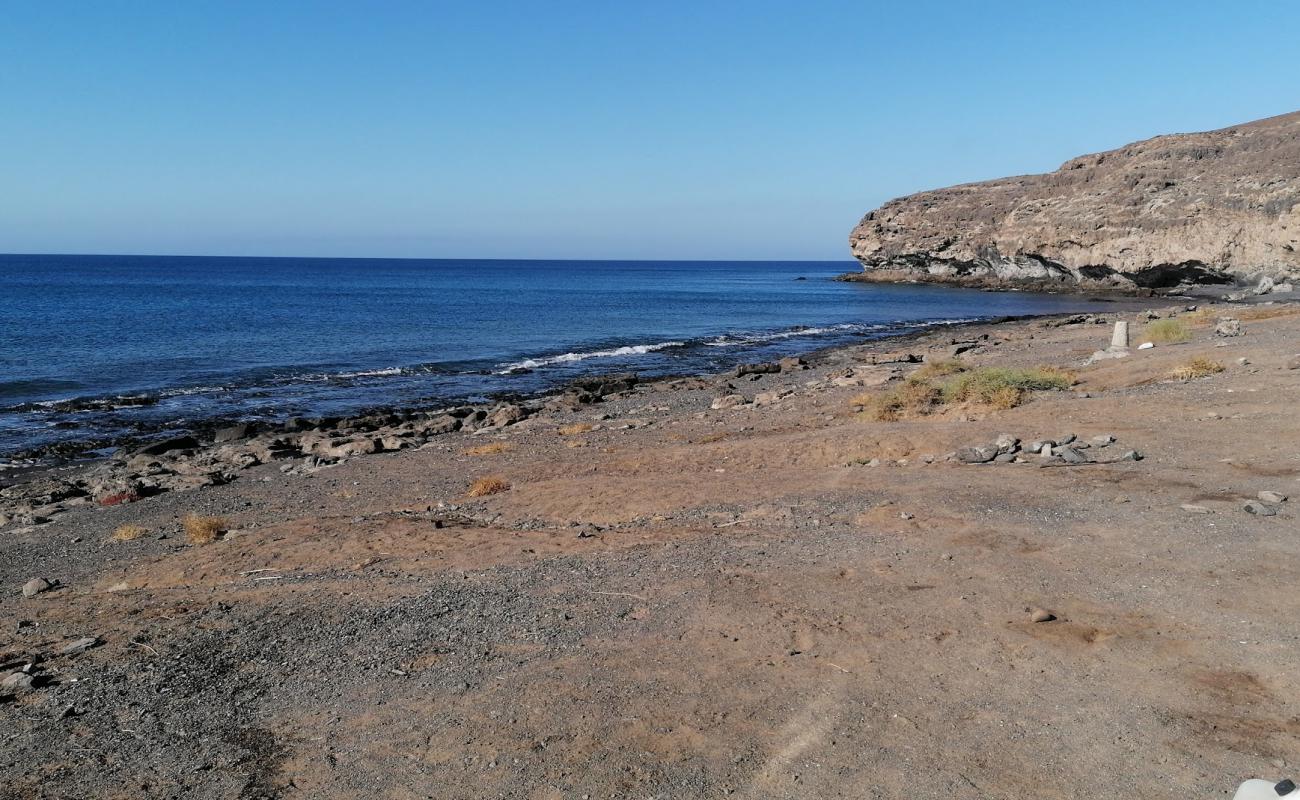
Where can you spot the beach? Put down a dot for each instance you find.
(744, 584)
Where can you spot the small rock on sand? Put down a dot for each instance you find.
(1192, 509)
(979, 454)
(15, 681)
(1070, 455)
(79, 645)
(1259, 509)
(35, 586)
(1272, 497)
(1040, 615)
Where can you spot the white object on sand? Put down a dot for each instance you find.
(1256, 789)
(1146, 345)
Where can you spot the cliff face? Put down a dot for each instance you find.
(1216, 207)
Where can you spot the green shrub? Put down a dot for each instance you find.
(996, 387)
(1168, 331)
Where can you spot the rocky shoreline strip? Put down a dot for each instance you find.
(303, 446)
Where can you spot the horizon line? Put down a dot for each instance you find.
(849, 260)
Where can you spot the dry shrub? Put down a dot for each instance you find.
(939, 369)
(913, 398)
(487, 485)
(575, 428)
(1199, 367)
(202, 530)
(1006, 397)
(490, 449)
(129, 533)
(1168, 331)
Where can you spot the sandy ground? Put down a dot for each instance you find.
(709, 603)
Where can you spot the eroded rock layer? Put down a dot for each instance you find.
(1215, 207)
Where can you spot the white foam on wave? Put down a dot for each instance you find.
(370, 373)
(192, 390)
(759, 338)
(565, 358)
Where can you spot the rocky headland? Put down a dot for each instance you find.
(1221, 207)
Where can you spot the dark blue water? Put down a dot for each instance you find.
(96, 347)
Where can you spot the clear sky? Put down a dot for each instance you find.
(602, 129)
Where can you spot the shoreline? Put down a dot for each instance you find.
(73, 452)
(218, 451)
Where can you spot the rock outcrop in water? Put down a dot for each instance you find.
(1216, 207)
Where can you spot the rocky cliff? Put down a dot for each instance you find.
(1216, 207)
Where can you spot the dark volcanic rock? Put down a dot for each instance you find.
(1216, 207)
(167, 446)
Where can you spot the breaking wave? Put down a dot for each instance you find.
(566, 358)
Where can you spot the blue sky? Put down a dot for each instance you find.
(555, 129)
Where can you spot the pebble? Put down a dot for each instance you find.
(79, 645)
(1259, 509)
(1191, 509)
(1272, 497)
(35, 586)
(15, 681)
(1102, 440)
(1146, 345)
(979, 454)
(1040, 615)
(1070, 455)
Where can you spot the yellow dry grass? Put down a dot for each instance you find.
(488, 485)
(1199, 367)
(202, 530)
(490, 449)
(129, 533)
(710, 438)
(575, 428)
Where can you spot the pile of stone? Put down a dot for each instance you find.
(1067, 450)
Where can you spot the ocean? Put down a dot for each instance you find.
(97, 349)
